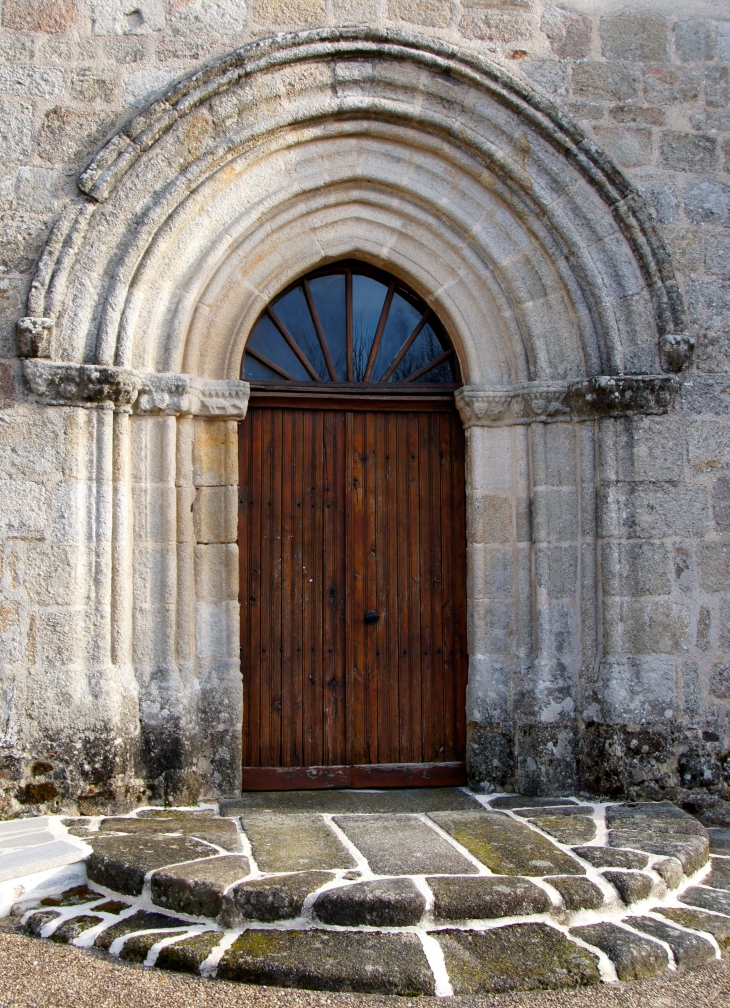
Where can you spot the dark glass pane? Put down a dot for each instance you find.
(441, 375)
(254, 370)
(425, 348)
(267, 339)
(402, 320)
(292, 310)
(328, 294)
(368, 296)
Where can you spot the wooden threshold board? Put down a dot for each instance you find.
(373, 775)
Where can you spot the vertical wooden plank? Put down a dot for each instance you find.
(370, 596)
(279, 455)
(430, 534)
(458, 498)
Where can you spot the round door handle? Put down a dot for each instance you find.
(372, 616)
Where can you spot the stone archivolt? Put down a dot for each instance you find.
(534, 251)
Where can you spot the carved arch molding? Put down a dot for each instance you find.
(434, 164)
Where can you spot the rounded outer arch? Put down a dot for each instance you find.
(94, 333)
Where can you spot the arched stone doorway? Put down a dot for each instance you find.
(352, 539)
(529, 245)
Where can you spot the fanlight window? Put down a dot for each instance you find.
(349, 323)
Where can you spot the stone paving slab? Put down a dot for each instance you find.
(505, 846)
(31, 825)
(719, 840)
(690, 951)
(693, 851)
(607, 857)
(635, 958)
(121, 862)
(403, 845)
(25, 838)
(566, 829)
(516, 957)
(522, 802)
(221, 832)
(485, 898)
(197, 887)
(720, 875)
(361, 962)
(397, 800)
(707, 899)
(284, 843)
(578, 893)
(631, 886)
(392, 902)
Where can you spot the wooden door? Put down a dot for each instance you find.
(353, 596)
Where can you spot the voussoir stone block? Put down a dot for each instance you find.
(286, 842)
(486, 897)
(383, 903)
(578, 893)
(718, 927)
(691, 851)
(515, 957)
(272, 899)
(631, 886)
(505, 846)
(361, 962)
(689, 950)
(35, 923)
(634, 958)
(70, 930)
(121, 862)
(719, 840)
(404, 845)
(670, 871)
(143, 920)
(197, 887)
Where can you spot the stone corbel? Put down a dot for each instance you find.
(35, 336)
(550, 402)
(56, 384)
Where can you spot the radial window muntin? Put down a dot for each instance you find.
(349, 325)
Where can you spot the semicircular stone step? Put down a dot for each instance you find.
(506, 846)
(121, 862)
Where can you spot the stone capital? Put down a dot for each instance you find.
(58, 384)
(550, 402)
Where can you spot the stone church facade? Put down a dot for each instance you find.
(551, 180)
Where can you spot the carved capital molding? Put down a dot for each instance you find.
(550, 402)
(87, 385)
(187, 395)
(57, 384)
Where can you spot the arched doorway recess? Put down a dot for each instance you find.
(352, 539)
(435, 165)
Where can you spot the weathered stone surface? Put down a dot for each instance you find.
(136, 948)
(383, 903)
(653, 817)
(121, 862)
(718, 927)
(634, 958)
(72, 897)
(302, 842)
(186, 956)
(272, 899)
(690, 951)
(221, 832)
(71, 929)
(143, 920)
(719, 840)
(691, 851)
(37, 921)
(48, 16)
(362, 962)
(340, 802)
(670, 871)
(197, 888)
(708, 899)
(578, 893)
(609, 857)
(404, 845)
(631, 886)
(719, 878)
(567, 829)
(515, 957)
(486, 897)
(551, 811)
(505, 846)
(521, 802)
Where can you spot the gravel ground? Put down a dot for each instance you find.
(38, 974)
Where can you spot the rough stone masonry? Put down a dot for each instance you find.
(553, 179)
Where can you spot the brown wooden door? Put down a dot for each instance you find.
(353, 597)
